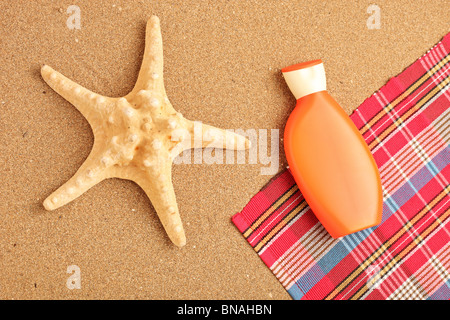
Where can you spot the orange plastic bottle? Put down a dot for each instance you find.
(328, 157)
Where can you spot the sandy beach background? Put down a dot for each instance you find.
(222, 67)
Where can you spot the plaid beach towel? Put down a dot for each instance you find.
(407, 127)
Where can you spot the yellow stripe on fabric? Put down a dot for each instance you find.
(269, 211)
(280, 225)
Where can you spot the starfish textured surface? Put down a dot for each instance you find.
(136, 137)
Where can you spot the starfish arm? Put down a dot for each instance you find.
(151, 73)
(86, 101)
(158, 186)
(94, 170)
(206, 136)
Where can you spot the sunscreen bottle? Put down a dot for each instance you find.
(328, 157)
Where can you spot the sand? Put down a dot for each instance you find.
(222, 66)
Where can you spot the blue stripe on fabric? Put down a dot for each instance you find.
(432, 167)
(443, 160)
(333, 257)
(310, 278)
(403, 194)
(391, 205)
(295, 292)
(387, 212)
(443, 293)
(421, 178)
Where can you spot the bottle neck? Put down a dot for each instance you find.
(305, 78)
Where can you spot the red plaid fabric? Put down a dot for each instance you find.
(407, 127)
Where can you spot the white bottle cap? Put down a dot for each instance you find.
(305, 78)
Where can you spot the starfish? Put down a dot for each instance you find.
(137, 137)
